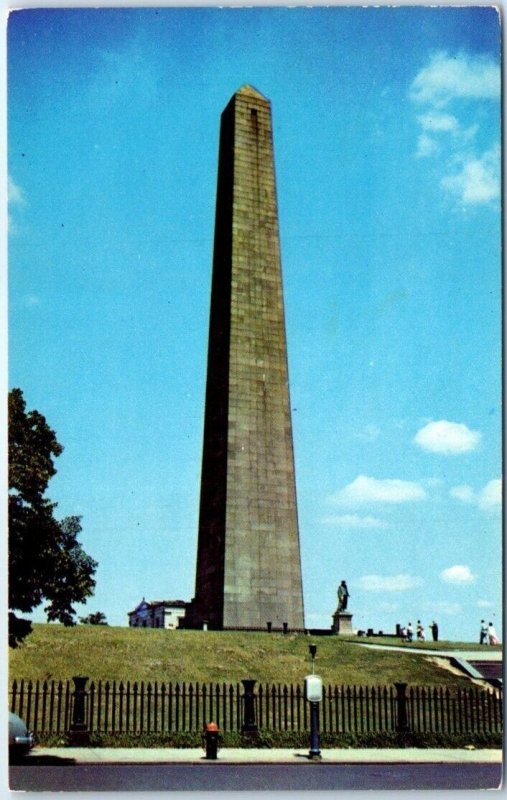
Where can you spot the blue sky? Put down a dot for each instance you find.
(387, 150)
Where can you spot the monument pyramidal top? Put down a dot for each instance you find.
(247, 89)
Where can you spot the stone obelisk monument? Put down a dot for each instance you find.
(248, 562)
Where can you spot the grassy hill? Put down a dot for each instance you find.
(102, 652)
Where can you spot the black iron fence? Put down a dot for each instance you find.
(138, 707)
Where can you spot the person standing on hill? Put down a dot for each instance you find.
(492, 637)
(484, 633)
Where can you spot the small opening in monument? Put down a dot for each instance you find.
(253, 112)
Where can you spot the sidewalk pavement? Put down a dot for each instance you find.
(466, 655)
(137, 755)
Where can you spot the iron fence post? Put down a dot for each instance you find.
(402, 725)
(79, 733)
(249, 722)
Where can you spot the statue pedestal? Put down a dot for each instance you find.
(342, 623)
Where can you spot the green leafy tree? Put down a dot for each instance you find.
(94, 619)
(46, 561)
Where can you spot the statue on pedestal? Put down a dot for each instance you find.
(343, 596)
(342, 619)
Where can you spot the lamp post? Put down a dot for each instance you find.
(313, 693)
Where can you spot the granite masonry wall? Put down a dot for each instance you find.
(248, 564)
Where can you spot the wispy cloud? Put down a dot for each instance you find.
(389, 583)
(426, 146)
(448, 77)
(462, 81)
(31, 300)
(489, 498)
(443, 607)
(436, 121)
(464, 493)
(354, 521)
(458, 574)
(387, 607)
(485, 604)
(15, 194)
(16, 200)
(448, 438)
(123, 75)
(477, 179)
(368, 434)
(372, 490)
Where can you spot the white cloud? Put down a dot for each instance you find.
(467, 134)
(435, 126)
(426, 146)
(447, 77)
(464, 493)
(464, 81)
(478, 180)
(393, 583)
(15, 199)
(437, 122)
(457, 574)
(485, 604)
(447, 437)
(371, 490)
(15, 194)
(354, 521)
(433, 483)
(489, 498)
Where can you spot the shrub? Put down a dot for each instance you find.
(284, 739)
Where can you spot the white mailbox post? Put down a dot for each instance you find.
(313, 688)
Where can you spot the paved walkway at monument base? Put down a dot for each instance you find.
(135, 755)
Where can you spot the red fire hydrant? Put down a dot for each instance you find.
(211, 740)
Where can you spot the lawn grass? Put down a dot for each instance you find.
(135, 654)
